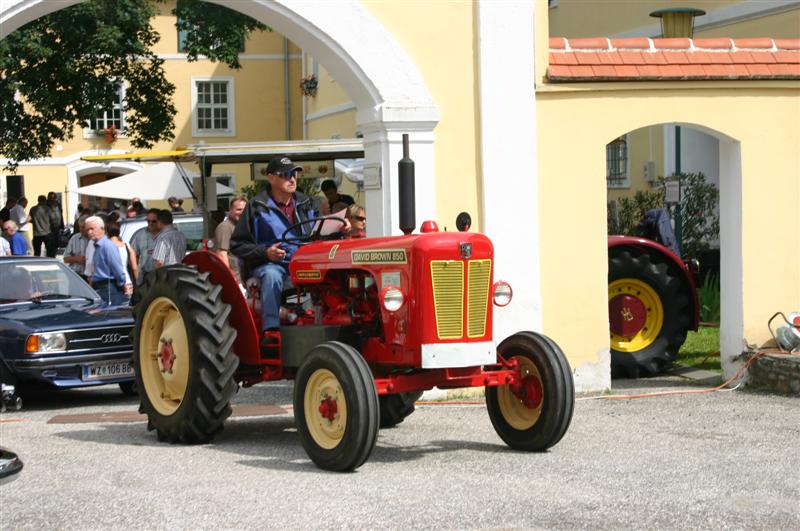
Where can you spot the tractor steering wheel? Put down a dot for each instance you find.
(311, 236)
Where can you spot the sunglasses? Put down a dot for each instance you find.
(359, 218)
(288, 175)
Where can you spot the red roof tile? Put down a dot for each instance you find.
(600, 43)
(634, 59)
(753, 43)
(714, 44)
(787, 44)
(672, 44)
(637, 43)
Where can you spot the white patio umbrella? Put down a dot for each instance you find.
(159, 181)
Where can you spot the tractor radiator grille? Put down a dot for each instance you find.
(447, 277)
(477, 294)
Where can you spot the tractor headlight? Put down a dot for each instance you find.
(502, 293)
(392, 298)
(46, 343)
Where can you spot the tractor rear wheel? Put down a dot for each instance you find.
(649, 314)
(533, 415)
(396, 407)
(336, 407)
(183, 355)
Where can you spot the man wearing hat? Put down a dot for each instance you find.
(256, 240)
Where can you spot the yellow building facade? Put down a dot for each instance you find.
(491, 135)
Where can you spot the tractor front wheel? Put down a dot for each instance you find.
(183, 355)
(534, 413)
(336, 407)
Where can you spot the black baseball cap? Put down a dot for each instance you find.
(282, 165)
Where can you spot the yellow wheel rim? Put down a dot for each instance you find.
(515, 412)
(653, 319)
(323, 394)
(164, 356)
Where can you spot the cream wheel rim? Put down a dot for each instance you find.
(515, 412)
(324, 392)
(164, 356)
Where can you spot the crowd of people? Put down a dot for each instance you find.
(115, 268)
(30, 230)
(248, 240)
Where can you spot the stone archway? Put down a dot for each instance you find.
(389, 93)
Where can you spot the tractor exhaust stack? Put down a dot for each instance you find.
(405, 172)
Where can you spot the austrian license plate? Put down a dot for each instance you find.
(106, 370)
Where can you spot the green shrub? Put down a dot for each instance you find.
(709, 296)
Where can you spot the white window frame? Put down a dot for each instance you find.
(231, 129)
(88, 132)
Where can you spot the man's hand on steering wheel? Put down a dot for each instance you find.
(314, 234)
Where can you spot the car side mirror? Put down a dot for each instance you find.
(10, 466)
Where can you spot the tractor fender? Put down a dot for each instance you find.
(246, 345)
(673, 261)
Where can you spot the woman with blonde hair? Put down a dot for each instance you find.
(357, 216)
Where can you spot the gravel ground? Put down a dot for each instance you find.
(719, 460)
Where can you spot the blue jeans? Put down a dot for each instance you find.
(111, 294)
(271, 276)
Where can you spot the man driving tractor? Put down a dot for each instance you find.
(257, 239)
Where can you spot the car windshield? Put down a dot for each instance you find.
(40, 280)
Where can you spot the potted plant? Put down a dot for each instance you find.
(108, 133)
(309, 85)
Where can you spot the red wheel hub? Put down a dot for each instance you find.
(627, 315)
(529, 390)
(167, 355)
(328, 408)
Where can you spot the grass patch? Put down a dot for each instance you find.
(701, 350)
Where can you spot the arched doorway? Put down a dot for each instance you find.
(717, 156)
(386, 87)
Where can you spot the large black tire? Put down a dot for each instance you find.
(129, 388)
(662, 290)
(396, 407)
(183, 355)
(538, 416)
(336, 407)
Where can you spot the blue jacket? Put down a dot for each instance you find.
(18, 244)
(263, 223)
(657, 226)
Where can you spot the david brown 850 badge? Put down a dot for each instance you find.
(308, 274)
(379, 256)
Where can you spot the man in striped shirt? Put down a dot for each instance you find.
(170, 242)
(75, 252)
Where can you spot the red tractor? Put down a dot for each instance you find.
(652, 304)
(368, 325)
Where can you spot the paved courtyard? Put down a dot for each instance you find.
(719, 460)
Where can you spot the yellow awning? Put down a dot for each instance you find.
(152, 156)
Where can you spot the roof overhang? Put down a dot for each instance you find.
(248, 152)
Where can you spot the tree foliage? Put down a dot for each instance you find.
(59, 71)
(214, 31)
